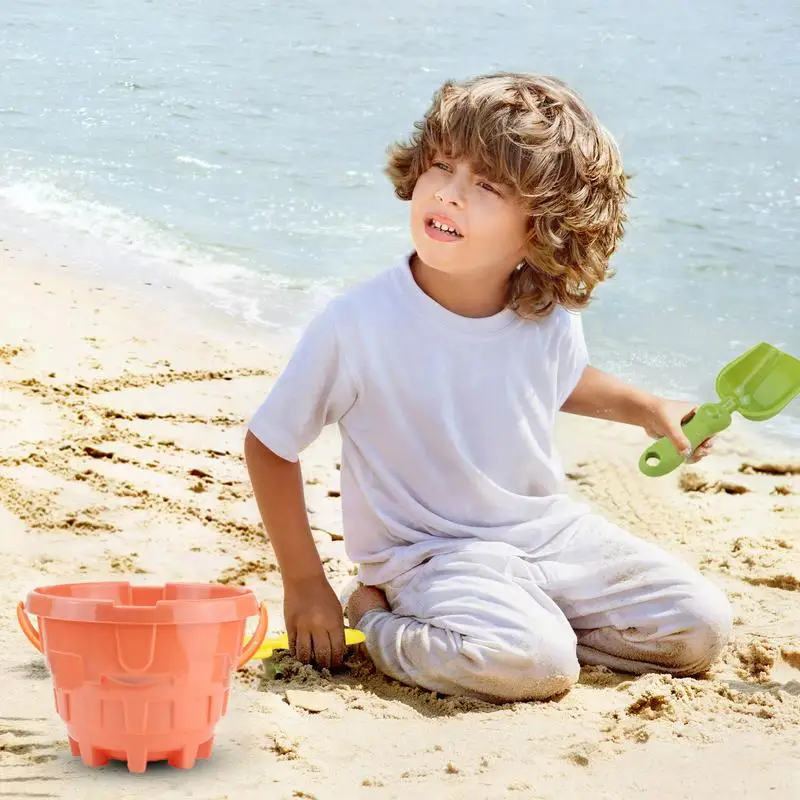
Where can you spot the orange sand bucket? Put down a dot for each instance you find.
(142, 673)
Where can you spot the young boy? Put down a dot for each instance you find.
(478, 575)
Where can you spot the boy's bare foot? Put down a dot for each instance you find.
(363, 599)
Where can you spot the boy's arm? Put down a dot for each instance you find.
(600, 395)
(314, 389)
(313, 614)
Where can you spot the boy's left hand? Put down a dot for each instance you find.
(665, 417)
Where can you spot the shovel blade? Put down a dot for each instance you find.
(762, 381)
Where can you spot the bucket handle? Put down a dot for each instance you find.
(34, 637)
(256, 639)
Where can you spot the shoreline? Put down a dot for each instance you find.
(124, 413)
(271, 304)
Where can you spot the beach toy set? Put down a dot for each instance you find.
(758, 385)
(143, 673)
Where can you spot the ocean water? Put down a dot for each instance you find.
(237, 150)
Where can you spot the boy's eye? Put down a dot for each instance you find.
(489, 188)
(441, 165)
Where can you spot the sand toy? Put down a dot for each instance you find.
(758, 385)
(142, 673)
(270, 644)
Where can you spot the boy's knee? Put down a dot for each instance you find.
(537, 668)
(709, 626)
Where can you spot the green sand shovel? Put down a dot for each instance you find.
(758, 384)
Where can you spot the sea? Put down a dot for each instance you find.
(236, 151)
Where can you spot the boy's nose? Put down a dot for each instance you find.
(450, 193)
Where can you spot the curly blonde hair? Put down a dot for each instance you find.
(535, 135)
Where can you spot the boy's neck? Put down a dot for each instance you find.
(465, 295)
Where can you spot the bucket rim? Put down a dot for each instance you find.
(233, 603)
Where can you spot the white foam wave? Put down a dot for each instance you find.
(45, 200)
(197, 162)
(111, 238)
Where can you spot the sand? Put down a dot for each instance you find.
(123, 414)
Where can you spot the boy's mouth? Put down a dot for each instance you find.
(442, 228)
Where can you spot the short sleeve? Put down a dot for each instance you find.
(571, 354)
(314, 390)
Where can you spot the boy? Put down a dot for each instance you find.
(478, 576)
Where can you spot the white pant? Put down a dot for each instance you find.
(497, 623)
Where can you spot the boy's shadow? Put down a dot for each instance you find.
(282, 672)
(773, 687)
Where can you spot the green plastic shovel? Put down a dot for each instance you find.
(758, 384)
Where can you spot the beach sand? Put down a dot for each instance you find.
(123, 414)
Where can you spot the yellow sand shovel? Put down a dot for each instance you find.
(281, 642)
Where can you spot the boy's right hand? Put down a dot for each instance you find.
(314, 622)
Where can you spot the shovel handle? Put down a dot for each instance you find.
(34, 637)
(661, 457)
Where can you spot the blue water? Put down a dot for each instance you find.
(239, 148)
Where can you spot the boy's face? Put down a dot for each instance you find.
(484, 226)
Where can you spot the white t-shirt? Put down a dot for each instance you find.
(446, 421)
